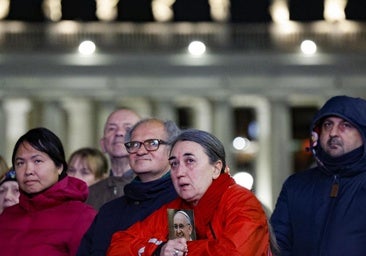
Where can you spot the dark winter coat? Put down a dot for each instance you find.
(321, 211)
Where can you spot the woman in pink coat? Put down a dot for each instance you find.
(51, 216)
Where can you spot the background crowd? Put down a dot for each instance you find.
(116, 201)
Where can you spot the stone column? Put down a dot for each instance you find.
(165, 110)
(280, 144)
(263, 164)
(54, 118)
(223, 126)
(16, 113)
(141, 105)
(202, 118)
(263, 167)
(80, 123)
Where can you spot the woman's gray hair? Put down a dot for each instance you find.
(212, 146)
(171, 129)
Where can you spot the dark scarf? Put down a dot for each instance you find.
(341, 164)
(139, 191)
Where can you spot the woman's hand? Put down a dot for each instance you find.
(175, 247)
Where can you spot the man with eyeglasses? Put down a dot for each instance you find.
(148, 145)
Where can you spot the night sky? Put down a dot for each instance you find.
(184, 10)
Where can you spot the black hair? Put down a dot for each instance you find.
(44, 140)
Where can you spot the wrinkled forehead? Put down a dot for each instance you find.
(123, 116)
(185, 148)
(149, 130)
(9, 184)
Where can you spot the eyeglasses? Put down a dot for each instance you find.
(150, 145)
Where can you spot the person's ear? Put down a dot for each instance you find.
(217, 169)
(60, 169)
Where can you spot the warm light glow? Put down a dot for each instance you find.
(107, 9)
(279, 11)
(4, 8)
(87, 48)
(67, 27)
(197, 48)
(162, 10)
(308, 47)
(334, 10)
(52, 9)
(244, 179)
(219, 9)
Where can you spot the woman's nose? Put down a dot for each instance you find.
(29, 170)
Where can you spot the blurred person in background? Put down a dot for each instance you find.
(9, 190)
(3, 166)
(89, 165)
(118, 123)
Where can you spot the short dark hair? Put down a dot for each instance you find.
(44, 140)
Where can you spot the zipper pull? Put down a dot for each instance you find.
(335, 187)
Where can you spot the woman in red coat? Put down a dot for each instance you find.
(51, 216)
(228, 219)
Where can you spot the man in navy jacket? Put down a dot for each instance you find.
(322, 211)
(148, 145)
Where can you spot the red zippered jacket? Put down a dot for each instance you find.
(229, 220)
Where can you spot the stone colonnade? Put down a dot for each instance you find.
(79, 122)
